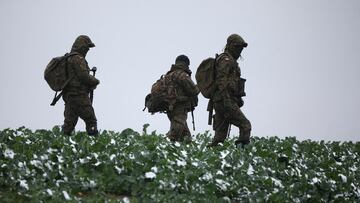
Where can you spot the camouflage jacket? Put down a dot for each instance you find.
(228, 81)
(83, 82)
(186, 90)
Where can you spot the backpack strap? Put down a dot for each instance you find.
(58, 96)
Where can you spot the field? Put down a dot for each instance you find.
(44, 165)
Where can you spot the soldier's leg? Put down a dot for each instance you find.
(220, 127)
(87, 113)
(71, 118)
(171, 135)
(179, 128)
(186, 133)
(239, 119)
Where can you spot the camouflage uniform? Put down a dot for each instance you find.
(76, 93)
(186, 100)
(227, 97)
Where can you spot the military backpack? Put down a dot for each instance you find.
(205, 76)
(56, 75)
(163, 95)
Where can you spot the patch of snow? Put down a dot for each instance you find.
(119, 170)
(315, 180)
(180, 162)
(343, 178)
(338, 163)
(195, 164)
(227, 199)
(66, 195)
(112, 141)
(353, 168)
(36, 163)
(112, 157)
(9, 153)
(84, 160)
(207, 176)
(250, 170)
(184, 153)
(277, 182)
(95, 155)
(60, 159)
(222, 184)
(48, 165)
(51, 150)
(223, 154)
(154, 169)
(150, 175)
(125, 200)
(21, 164)
(177, 144)
(24, 184)
(72, 141)
(44, 157)
(338, 195)
(92, 184)
(50, 192)
(219, 173)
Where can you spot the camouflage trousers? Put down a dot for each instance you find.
(224, 117)
(79, 106)
(179, 130)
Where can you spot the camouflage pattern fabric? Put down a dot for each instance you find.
(75, 107)
(227, 101)
(76, 93)
(186, 101)
(179, 130)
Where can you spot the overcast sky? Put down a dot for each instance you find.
(301, 65)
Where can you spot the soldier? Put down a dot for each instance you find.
(76, 93)
(186, 99)
(227, 98)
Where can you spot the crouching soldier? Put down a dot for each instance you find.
(76, 93)
(186, 99)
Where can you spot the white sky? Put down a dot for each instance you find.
(301, 65)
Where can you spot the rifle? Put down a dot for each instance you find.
(94, 69)
(57, 97)
(192, 115)
(210, 108)
(229, 129)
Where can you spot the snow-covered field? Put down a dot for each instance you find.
(130, 166)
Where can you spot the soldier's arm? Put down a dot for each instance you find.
(80, 68)
(188, 85)
(223, 69)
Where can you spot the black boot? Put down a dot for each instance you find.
(93, 131)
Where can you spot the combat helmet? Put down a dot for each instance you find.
(235, 39)
(82, 41)
(182, 58)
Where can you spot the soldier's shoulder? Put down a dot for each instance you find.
(76, 58)
(180, 74)
(225, 58)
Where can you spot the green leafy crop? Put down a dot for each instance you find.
(43, 165)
